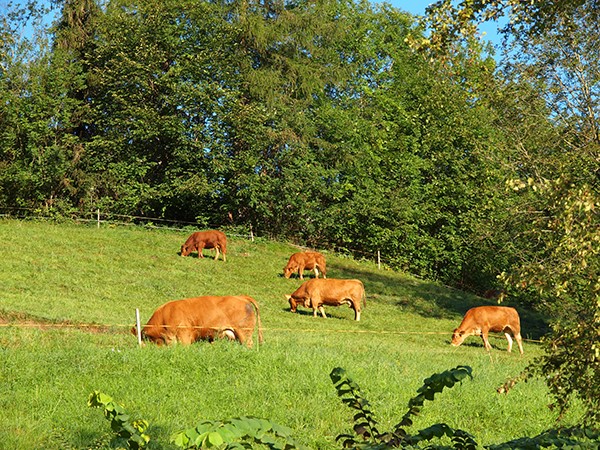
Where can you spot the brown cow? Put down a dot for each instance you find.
(193, 319)
(206, 239)
(301, 261)
(317, 292)
(480, 320)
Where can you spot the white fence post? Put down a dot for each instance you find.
(98, 216)
(378, 259)
(138, 326)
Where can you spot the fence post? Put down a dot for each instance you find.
(98, 216)
(251, 234)
(138, 326)
(378, 259)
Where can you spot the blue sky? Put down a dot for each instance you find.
(417, 7)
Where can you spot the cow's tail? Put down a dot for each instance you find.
(255, 304)
(223, 245)
(364, 296)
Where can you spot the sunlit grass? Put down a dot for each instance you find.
(86, 275)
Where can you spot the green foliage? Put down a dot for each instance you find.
(132, 433)
(366, 425)
(308, 121)
(238, 433)
(564, 269)
(574, 438)
(450, 23)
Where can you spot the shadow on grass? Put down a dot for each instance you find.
(432, 300)
(309, 313)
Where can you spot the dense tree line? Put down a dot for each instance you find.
(312, 121)
(337, 124)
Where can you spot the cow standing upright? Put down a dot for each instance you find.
(204, 318)
(317, 292)
(479, 321)
(301, 261)
(206, 239)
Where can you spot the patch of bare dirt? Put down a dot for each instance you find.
(21, 319)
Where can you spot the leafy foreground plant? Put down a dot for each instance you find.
(366, 425)
(132, 433)
(249, 432)
(575, 438)
(238, 433)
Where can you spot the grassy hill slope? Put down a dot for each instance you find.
(64, 275)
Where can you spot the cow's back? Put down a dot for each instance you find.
(332, 287)
(302, 292)
(301, 259)
(335, 291)
(204, 317)
(480, 320)
(306, 259)
(210, 238)
(168, 318)
(492, 318)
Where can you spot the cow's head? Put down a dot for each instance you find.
(134, 332)
(288, 271)
(292, 302)
(458, 336)
(185, 250)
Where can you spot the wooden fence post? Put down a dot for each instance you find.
(98, 216)
(378, 259)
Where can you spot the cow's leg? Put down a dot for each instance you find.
(486, 343)
(229, 334)
(510, 341)
(519, 342)
(200, 249)
(356, 315)
(301, 272)
(216, 252)
(316, 272)
(322, 311)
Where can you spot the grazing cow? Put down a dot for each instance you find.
(209, 318)
(480, 320)
(206, 239)
(301, 261)
(317, 292)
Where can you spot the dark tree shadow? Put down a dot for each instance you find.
(433, 300)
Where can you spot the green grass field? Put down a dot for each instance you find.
(54, 277)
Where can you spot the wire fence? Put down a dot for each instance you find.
(101, 218)
(127, 327)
